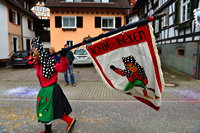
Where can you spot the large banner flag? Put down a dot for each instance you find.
(129, 63)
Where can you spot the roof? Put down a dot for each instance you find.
(118, 4)
(18, 5)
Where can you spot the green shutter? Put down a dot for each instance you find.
(177, 12)
(193, 5)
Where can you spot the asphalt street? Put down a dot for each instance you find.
(97, 108)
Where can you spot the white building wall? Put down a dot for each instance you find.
(4, 49)
(27, 33)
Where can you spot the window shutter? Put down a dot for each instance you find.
(18, 19)
(177, 12)
(118, 22)
(154, 26)
(34, 27)
(97, 22)
(111, 0)
(10, 15)
(127, 19)
(193, 5)
(58, 21)
(160, 25)
(79, 21)
(29, 24)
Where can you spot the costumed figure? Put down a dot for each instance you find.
(135, 75)
(51, 102)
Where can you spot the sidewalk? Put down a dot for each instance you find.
(23, 83)
(95, 91)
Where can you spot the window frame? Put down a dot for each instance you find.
(106, 17)
(107, 1)
(166, 18)
(69, 27)
(14, 17)
(157, 27)
(187, 4)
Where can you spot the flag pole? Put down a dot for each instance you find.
(114, 31)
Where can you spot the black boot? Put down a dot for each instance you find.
(48, 128)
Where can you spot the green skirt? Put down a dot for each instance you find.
(44, 106)
(52, 104)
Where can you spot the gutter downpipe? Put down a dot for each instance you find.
(22, 36)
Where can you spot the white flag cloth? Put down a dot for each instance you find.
(129, 63)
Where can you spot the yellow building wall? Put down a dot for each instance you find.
(59, 37)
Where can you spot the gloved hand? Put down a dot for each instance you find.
(112, 67)
(62, 53)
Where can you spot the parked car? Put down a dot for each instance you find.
(20, 58)
(81, 57)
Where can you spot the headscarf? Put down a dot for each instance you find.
(131, 59)
(47, 62)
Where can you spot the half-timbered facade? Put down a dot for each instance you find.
(178, 39)
(43, 25)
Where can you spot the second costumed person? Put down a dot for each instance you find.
(51, 102)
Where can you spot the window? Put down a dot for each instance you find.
(157, 26)
(180, 52)
(69, 0)
(69, 42)
(154, 1)
(87, 0)
(37, 8)
(30, 25)
(28, 47)
(166, 18)
(14, 17)
(28, 7)
(68, 22)
(108, 22)
(24, 4)
(105, 1)
(185, 10)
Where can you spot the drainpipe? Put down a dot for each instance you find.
(198, 62)
(22, 30)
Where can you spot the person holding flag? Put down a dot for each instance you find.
(51, 101)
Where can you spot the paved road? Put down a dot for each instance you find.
(97, 108)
